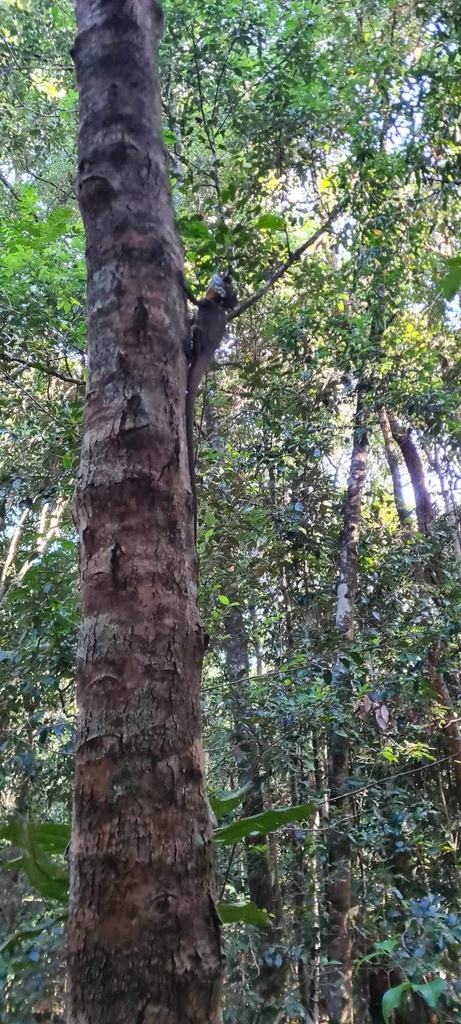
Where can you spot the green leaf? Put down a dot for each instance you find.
(169, 137)
(224, 600)
(392, 999)
(223, 802)
(431, 992)
(30, 932)
(47, 877)
(451, 283)
(53, 836)
(194, 227)
(245, 913)
(261, 824)
(389, 755)
(40, 870)
(387, 945)
(270, 222)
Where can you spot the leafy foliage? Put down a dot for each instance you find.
(280, 119)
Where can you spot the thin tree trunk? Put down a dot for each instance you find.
(320, 873)
(143, 941)
(348, 558)
(435, 464)
(423, 502)
(339, 991)
(305, 968)
(261, 860)
(452, 723)
(400, 504)
(11, 553)
(425, 515)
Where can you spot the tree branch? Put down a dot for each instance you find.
(283, 268)
(11, 380)
(10, 187)
(33, 365)
(206, 127)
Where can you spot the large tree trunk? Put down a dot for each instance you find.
(339, 994)
(143, 941)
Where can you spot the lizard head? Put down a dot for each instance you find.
(221, 291)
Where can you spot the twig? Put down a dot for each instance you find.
(221, 76)
(282, 269)
(10, 187)
(28, 395)
(12, 551)
(226, 876)
(206, 128)
(45, 369)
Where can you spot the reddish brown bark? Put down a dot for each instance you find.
(143, 942)
(412, 459)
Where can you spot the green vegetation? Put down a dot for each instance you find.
(284, 121)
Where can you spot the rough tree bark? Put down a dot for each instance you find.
(143, 941)
(339, 992)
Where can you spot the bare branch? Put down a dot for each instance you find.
(8, 377)
(10, 187)
(49, 370)
(282, 269)
(44, 538)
